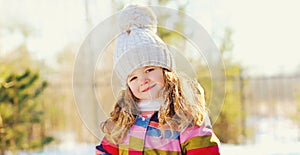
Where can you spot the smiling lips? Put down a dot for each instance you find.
(148, 88)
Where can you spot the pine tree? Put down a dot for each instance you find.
(21, 116)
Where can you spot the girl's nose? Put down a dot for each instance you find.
(144, 80)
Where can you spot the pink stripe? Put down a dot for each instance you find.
(162, 144)
(126, 140)
(138, 132)
(194, 132)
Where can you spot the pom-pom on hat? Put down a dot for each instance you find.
(138, 45)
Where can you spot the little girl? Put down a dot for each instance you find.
(158, 111)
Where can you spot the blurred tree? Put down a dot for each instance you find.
(72, 121)
(296, 116)
(20, 112)
(230, 125)
(23, 121)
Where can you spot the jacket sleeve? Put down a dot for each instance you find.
(200, 140)
(107, 148)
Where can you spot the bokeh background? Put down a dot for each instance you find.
(258, 41)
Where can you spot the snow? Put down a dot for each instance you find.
(274, 136)
(267, 149)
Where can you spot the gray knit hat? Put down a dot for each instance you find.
(138, 45)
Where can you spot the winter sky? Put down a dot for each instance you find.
(265, 32)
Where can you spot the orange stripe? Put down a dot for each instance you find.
(153, 124)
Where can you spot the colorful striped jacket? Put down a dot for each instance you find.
(144, 138)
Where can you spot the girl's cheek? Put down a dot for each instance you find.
(136, 88)
(133, 86)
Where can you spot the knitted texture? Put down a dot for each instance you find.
(137, 16)
(138, 45)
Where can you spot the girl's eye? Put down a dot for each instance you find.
(132, 78)
(149, 70)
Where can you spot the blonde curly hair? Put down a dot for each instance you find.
(184, 105)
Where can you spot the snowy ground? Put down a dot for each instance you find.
(271, 149)
(274, 136)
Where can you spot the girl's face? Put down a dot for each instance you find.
(146, 82)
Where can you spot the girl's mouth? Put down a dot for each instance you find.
(148, 88)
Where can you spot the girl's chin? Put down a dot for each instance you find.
(151, 97)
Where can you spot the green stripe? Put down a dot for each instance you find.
(136, 143)
(123, 152)
(200, 142)
(123, 149)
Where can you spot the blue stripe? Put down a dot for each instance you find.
(100, 148)
(143, 122)
(154, 132)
